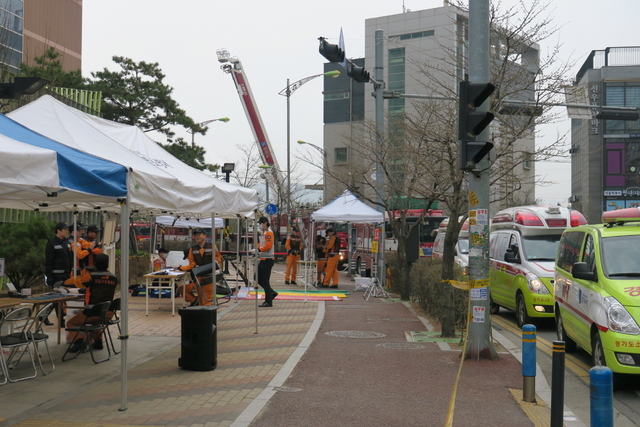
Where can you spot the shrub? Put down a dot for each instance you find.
(429, 290)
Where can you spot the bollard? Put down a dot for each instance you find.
(557, 384)
(529, 363)
(601, 379)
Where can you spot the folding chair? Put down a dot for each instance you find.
(221, 285)
(115, 320)
(15, 342)
(36, 334)
(94, 323)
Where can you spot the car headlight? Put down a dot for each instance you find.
(535, 284)
(619, 318)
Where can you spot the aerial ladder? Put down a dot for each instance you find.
(233, 66)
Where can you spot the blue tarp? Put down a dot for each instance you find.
(77, 171)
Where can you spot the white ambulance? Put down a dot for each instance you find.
(523, 245)
(461, 255)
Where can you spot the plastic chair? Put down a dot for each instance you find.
(36, 334)
(94, 323)
(15, 342)
(115, 320)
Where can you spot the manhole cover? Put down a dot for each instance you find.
(287, 389)
(347, 306)
(401, 345)
(355, 334)
(401, 320)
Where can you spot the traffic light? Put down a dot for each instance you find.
(358, 74)
(332, 52)
(471, 122)
(619, 113)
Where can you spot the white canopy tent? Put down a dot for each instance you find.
(188, 222)
(157, 182)
(347, 208)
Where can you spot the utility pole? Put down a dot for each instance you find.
(479, 329)
(380, 181)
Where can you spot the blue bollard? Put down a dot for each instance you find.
(529, 363)
(601, 379)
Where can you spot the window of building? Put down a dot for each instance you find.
(396, 79)
(11, 29)
(526, 161)
(417, 35)
(341, 155)
(334, 96)
(622, 94)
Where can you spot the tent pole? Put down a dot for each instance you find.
(256, 260)
(124, 295)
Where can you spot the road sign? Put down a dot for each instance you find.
(271, 209)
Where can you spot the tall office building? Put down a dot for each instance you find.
(28, 28)
(605, 154)
(434, 37)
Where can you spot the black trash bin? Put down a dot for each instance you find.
(199, 338)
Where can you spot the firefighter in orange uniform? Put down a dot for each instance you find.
(294, 246)
(79, 246)
(199, 255)
(266, 253)
(333, 256)
(91, 244)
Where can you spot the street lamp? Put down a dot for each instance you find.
(324, 158)
(288, 91)
(21, 86)
(222, 119)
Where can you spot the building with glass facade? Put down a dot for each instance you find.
(605, 154)
(28, 28)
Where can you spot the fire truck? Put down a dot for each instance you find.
(233, 66)
(362, 236)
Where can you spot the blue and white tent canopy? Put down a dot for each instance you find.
(39, 173)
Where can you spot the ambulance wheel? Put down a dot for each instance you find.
(569, 344)
(358, 265)
(597, 351)
(522, 316)
(493, 307)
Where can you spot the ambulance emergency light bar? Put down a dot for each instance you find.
(620, 216)
(530, 218)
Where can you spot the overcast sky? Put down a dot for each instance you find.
(277, 39)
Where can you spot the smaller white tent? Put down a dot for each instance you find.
(347, 208)
(187, 222)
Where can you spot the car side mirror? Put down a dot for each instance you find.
(509, 256)
(581, 271)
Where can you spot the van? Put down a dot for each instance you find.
(523, 246)
(461, 249)
(597, 290)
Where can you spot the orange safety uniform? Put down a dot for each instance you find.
(294, 247)
(82, 274)
(97, 250)
(333, 256)
(199, 256)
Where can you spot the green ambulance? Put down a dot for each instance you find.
(522, 250)
(597, 290)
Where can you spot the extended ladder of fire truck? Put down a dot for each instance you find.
(233, 66)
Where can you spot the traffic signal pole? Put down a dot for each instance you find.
(479, 329)
(380, 178)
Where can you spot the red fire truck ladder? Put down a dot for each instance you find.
(233, 66)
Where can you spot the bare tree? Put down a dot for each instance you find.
(418, 152)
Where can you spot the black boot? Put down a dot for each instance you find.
(48, 322)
